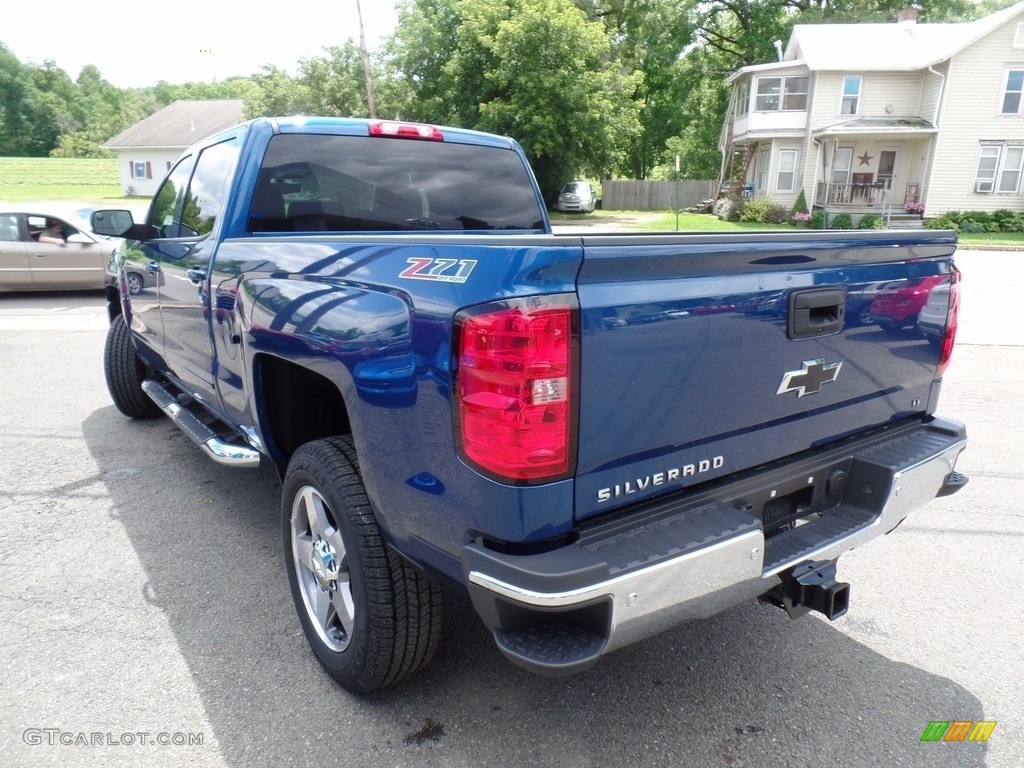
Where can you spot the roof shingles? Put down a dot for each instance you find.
(180, 124)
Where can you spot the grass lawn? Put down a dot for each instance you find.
(59, 178)
(660, 221)
(1010, 240)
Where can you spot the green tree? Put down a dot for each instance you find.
(649, 37)
(537, 70)
(334, 82)
(275, 92)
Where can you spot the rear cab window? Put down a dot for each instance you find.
(310, 182)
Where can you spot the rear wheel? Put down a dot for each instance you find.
(134, 282)
(370, 618)
(125, 373)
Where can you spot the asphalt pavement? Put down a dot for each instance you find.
(145, 616)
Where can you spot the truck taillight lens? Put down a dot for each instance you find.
(515, 385)
(952, 317)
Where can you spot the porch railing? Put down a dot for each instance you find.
(855, 194)
(886, 208)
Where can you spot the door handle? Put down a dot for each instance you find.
(816, 312)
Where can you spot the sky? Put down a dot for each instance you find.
(137, 43)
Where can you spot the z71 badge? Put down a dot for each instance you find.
(440, 270)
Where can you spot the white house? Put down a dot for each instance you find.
(870, 117)
(147, 149)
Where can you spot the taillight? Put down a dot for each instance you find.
(952, 317)
(515, 386)
(398, 130)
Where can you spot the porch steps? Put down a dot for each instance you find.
(905, 221)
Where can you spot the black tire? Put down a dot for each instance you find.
(125, 373)
(370, 618)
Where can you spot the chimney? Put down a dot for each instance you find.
(907, 16)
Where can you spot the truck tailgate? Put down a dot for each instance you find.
(706, 355)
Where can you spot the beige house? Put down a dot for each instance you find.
(149, 148)
(873, 117)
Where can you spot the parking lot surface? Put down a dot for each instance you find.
(146, 620)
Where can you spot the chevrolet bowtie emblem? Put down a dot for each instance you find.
(809, 379)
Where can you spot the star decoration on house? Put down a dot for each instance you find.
(866, 159)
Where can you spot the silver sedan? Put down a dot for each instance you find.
(42, 249)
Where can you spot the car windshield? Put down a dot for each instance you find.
(572, 187)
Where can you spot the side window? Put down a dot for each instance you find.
(163, 213)
(205, 197)
(9, 228)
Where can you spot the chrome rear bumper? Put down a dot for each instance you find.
(557, 612)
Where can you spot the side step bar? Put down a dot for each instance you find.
(219, 450)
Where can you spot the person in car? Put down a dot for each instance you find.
(53, 233)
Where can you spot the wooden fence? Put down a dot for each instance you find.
(655, 195)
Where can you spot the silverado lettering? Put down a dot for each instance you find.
(660, 478)
(525, 436)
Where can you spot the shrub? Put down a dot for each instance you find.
(722, 207)
(871, 221)
(842, 221)
(776, 214)
(1015, 224)
(970, 225)
(800, 206)
(942, 222)
(978, 217)
(1005, 218)
(818, 220)
(755, 209)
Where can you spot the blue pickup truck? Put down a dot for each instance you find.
(597, 437)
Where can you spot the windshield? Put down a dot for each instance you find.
(357, 183)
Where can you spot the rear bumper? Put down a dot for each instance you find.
(693, 556)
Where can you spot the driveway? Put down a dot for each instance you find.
(144, 595)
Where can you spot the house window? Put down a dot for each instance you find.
(763, 166)
(794, 93)
(1012, 92)
(781, 93)
(999, 169)
(850, 104)
(138, 170)
(786, 179)
(743, 99)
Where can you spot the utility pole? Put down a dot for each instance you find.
(370, 100)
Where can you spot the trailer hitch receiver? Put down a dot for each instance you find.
(811, 586)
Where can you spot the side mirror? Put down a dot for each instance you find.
(112, 223)
(118, 223)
